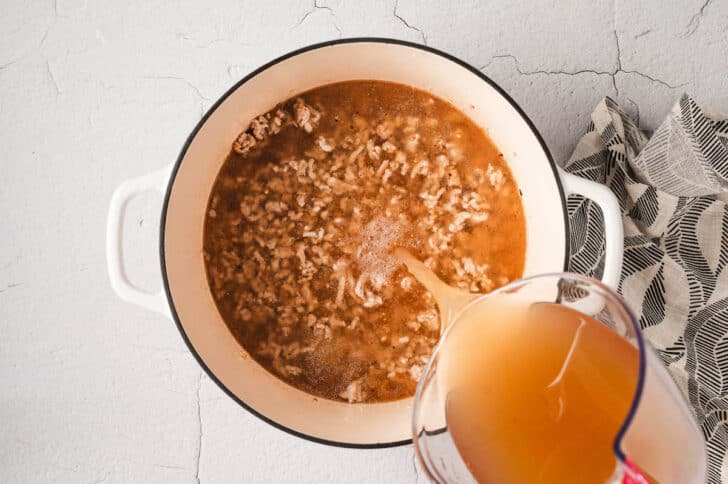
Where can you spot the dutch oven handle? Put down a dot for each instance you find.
(599, 194)
(613, 228)
(155, 181)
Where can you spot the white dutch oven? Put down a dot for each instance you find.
(186, 186)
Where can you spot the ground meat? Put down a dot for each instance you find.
(307, 209)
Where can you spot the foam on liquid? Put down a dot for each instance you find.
(375, 252)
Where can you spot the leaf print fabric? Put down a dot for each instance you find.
(672, 189)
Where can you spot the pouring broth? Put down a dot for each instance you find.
(536, 393)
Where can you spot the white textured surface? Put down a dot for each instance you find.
(92, 93)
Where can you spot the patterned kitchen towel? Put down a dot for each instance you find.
(673, 192)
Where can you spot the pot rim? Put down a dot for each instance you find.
(211, 111)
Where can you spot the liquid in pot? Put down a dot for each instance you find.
(307, 209)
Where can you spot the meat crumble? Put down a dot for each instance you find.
(307, 209)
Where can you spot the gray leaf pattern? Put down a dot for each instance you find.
(671, 188)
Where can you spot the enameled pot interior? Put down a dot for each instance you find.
(190, 298)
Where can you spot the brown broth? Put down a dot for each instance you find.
(306, 210)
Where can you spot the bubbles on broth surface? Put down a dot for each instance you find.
(375, 254)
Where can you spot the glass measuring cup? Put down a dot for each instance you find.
(658, 439)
